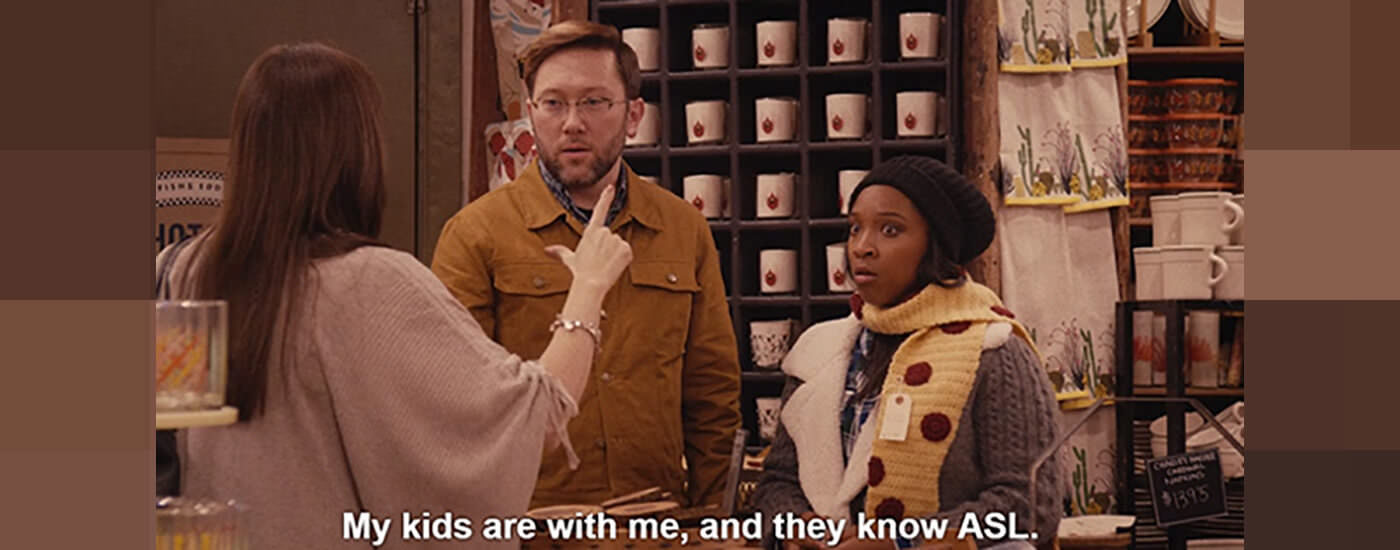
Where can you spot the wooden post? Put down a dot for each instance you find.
(1118, 217)
(981, 127)
(485, 107)
(570, 10)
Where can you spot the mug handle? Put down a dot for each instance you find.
(1238, 217)
(1224, 268)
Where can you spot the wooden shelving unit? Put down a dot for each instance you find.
(816, 221)
(1185, 54)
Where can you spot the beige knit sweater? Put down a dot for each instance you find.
(392, 397)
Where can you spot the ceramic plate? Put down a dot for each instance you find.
(562, 511)
(642, 508)
(1155, 9)
(1093, 526)
(1229, 16)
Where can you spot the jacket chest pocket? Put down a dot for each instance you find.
(530, 291)
(664, 294)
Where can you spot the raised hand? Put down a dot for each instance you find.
(601, 255)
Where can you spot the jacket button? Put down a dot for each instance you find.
(607, 377)
(671, 278)
(600, 443)
(539, 282)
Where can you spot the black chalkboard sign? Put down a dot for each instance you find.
(1186, 487)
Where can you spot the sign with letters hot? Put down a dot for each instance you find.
(189, 187)
(1186, 487)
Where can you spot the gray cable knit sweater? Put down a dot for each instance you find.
(1010, 419)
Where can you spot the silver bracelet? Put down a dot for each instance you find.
(569, 325)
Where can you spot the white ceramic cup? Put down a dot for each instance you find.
(918, 34)
(1237, 237)
(709, 46)
(845, 40)
(1208, 217)
(1232, 286)
(769, 410)
(704, 121)
(1166, 220)
(1187, 273)
(775, 119)
(1147, 262)
(777, 270)
(769, 341)
(916, 113)
(649, 129)
(1142, 348)
(1159, 349)
(646, 42)
(774, 197)
(846, 182)
(776, 43)
(706, 193)
(1203, 350)
(837, 279)
(845, 116)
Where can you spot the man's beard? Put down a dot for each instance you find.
(602, 161)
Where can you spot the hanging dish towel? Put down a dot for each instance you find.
(1097, 27)
(1037, 122)
(1099, 141)
(1033, 35)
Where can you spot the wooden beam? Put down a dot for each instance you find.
(570, 10)
(1118, 217)
(484, 106)
(981, 127)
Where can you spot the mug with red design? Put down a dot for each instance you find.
(646, 43)
(709, 46)
(706, 193)
(846, 182)
(704, 121)
(777, 270)
(918, 35)
(776, 43)
(916, 113)
(775, 197)
(837, 280)
(775, 119)
(845, 40)
(845, 116)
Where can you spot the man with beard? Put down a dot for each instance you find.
(665, 386)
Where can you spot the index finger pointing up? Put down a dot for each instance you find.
(600, 210)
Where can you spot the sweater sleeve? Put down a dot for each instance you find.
(1015, 415)
(779, 491)
(432, 414)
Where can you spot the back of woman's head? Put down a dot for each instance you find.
(305, 181)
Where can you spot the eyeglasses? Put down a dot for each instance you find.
(588, 106)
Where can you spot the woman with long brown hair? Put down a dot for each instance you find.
(361, 383)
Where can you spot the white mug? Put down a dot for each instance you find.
(704, 121)
(769, 410)
(777, 270)
(1237, 237)
(649, 129)
(1147, 262)
(1232, 287)
(845, 116)
(1208, 217)
(775, 119)
(1203, 350)
(1142, 348)
(1166, 220)
(646, 42)
(775, 197)
(837, 279)
(845, 40)
(706, 193)
(1187, 272)
(846, 182)
(776, 43)
(769, 341)
(918, 34)
(916, 112)
(709, 46)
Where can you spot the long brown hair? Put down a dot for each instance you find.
(305, 181)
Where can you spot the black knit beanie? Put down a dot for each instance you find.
(958, 215)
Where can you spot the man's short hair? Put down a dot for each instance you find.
(582, 35)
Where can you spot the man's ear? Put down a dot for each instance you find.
(635, 108)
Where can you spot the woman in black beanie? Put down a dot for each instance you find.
(929, 401)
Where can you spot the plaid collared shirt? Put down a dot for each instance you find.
(562, 195)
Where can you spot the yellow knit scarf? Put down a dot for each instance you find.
(935, 368)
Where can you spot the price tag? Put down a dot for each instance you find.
(1186, 487)
(898, 408)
